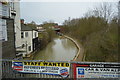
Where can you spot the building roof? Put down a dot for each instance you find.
(25, 28)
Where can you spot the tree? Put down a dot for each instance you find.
(33, 25)
(119, 12)
(105, 10)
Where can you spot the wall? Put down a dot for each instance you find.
(27, 41)
(8, 47)
(15, 8)
(34, 34)
(17, 24)
(36, 41)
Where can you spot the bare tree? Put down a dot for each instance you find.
(106, 10)
(51, 21)
(119, 12)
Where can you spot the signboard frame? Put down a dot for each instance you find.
(42, 67)
(107, 69)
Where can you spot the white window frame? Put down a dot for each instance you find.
(26, 34)
(3, 30)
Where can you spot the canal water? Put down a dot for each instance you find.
(60, 49)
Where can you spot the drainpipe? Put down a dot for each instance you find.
(26, 47)
(32, 42)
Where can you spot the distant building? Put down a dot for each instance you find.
(40, 29)
(56, 28)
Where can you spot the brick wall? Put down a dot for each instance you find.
(8, 47)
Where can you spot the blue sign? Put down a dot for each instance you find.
(64, 72)
(17, 63)
(18, 66)
(80, 71)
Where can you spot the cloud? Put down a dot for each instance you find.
(56, 11)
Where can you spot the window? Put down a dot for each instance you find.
(3, 30)
(35, 34)
(22, 35)
(12, 5)
(4, 10)
(23, 45)
(26, 34)
(29, 48)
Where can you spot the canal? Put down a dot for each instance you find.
(60, 49)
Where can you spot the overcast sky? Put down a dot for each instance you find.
(41, 11)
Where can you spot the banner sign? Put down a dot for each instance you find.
(53, 68)
(96, 70)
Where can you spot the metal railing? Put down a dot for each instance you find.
(8, 72)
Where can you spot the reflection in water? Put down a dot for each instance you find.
(59, 50)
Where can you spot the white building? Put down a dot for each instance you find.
(26, 38)
(35, 40)
(29, 39)
(15, 14)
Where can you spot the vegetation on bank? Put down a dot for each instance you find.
(48, 35)
(97, 34)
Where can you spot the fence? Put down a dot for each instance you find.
(8, 72)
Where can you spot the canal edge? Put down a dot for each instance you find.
(78, 47)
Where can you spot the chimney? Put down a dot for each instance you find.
(22, 21)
